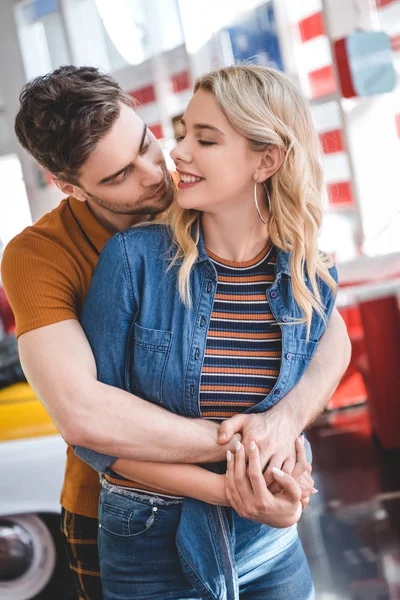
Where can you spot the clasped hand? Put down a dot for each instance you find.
(247, 491)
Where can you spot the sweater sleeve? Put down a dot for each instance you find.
(39, 284)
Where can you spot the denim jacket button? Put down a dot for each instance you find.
(197, 354)
(285, 319)
(274, 294)
(276, 392)
(289, 355)
(209, 287)
(202, 322)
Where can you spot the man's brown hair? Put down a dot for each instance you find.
(64, 114)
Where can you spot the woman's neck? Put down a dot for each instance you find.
(236, 237)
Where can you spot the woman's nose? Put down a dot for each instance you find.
(181, 152)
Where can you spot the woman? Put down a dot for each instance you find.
(216, 312)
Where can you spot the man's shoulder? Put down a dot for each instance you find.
(46, 242)
(51, 228)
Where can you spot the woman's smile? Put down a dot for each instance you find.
(188, 180)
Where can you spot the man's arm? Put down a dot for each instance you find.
(275, 431)
(59, 365)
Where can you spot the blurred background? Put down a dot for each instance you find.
(344, 55)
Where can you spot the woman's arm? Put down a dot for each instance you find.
(195, 482)
(179, 479)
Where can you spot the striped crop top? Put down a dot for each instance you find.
(244, 342)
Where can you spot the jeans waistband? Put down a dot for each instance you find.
(156, 499)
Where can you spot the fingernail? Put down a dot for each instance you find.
(223, 436)
(252, 446)
(238, 446)
(301, 440)
(278, 472)
(314, 491)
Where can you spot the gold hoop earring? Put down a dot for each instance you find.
(256, 203)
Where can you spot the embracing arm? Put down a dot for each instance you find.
(179, 479)
(196, 482)
(59, 365)
(312, 393)
(276, 430)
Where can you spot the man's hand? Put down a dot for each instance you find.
(274, 435)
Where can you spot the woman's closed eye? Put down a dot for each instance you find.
(201, 142)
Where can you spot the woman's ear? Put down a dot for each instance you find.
(270, 162)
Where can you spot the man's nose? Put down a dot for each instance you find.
(152, 173)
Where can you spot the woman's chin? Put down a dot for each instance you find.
(184, 202)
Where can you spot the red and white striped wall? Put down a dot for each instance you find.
(147, 109)
(337, 172)
(314, 58)
(389, 17)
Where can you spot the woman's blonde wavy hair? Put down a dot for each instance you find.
(264, 106)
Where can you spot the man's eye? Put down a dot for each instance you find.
(121, 177)
(145, 147)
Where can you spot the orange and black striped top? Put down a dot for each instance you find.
(244, 342)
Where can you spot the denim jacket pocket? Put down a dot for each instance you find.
(150, 350)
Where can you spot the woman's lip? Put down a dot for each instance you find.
(189, 174)
(185, 186)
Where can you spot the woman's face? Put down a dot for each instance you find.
(215, 163)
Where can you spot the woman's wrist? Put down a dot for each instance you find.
(219, 491)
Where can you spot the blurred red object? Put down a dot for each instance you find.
(368, 300)
(6, 314)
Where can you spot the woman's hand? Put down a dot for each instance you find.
(248, 494)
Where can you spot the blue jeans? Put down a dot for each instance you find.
(139, 559)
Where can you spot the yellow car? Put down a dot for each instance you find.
(32, 463)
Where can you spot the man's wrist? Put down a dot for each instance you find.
(285, 411)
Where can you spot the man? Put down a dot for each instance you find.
(81, 127)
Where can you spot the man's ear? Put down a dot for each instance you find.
(70, 190)
(270, 162)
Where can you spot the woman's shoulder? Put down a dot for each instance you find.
(154, 231)
(138, 243)
(146, 240)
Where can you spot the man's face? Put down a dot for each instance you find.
(126, 173)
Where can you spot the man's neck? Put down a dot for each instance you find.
(114, 222)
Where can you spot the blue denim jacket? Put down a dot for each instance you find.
(146, 341)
